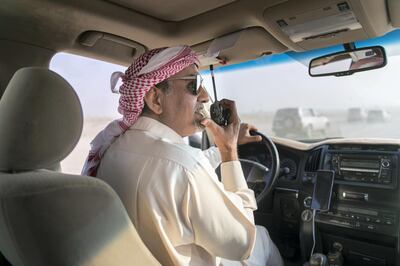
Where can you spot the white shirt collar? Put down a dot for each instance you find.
(157, 128)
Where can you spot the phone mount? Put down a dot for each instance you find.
(320, 201)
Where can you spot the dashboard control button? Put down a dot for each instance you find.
(306, 216)
(341, 222)
(389, 222)
(385, 163)
(386, 175)
(307, 202)
(371, 227)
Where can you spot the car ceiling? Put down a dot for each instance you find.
(173, 11)
(119, 30)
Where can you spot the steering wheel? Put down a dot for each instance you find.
(260, 164)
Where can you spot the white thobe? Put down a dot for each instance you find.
(182, 212)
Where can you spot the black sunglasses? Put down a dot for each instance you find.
(195, 90)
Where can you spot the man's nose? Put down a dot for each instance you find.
(203, 95)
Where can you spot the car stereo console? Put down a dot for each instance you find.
(363, 167)
(371, 220)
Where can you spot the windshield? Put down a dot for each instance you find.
(278, 96)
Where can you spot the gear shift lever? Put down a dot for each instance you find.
(318, 259)
(335, 257)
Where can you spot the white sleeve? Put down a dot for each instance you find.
(213, 156)
(236, 187)
(221, 218)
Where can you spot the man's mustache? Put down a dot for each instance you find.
(202, 110)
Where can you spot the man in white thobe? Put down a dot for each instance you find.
(182, 212)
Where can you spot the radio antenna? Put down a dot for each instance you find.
(213, 82)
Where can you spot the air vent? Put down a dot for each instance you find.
(313, 159)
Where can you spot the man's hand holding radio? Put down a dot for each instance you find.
(226, 137)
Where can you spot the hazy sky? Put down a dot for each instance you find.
(264, 88)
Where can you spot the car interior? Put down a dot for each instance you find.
(332, 201)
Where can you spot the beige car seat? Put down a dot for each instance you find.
(46, 217)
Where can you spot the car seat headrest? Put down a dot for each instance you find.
(41, 120)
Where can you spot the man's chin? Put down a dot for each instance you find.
(199, 126)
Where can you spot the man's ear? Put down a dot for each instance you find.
(153, 100)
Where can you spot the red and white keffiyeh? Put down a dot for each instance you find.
(146, 71)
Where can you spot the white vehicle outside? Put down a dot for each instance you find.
(302, 122)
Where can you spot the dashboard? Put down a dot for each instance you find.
(363, 218)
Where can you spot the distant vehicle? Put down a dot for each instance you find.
(356, 114)
(298, 122)
(377, 115)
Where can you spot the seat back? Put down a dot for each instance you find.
(46, 217)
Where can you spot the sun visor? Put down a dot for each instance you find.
(109, 47)
(244, 45)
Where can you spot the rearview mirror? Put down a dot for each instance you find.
(348, 62)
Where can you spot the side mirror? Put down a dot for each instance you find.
(348, 62)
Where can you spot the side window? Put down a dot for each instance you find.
(307, 112)
(91, 80)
